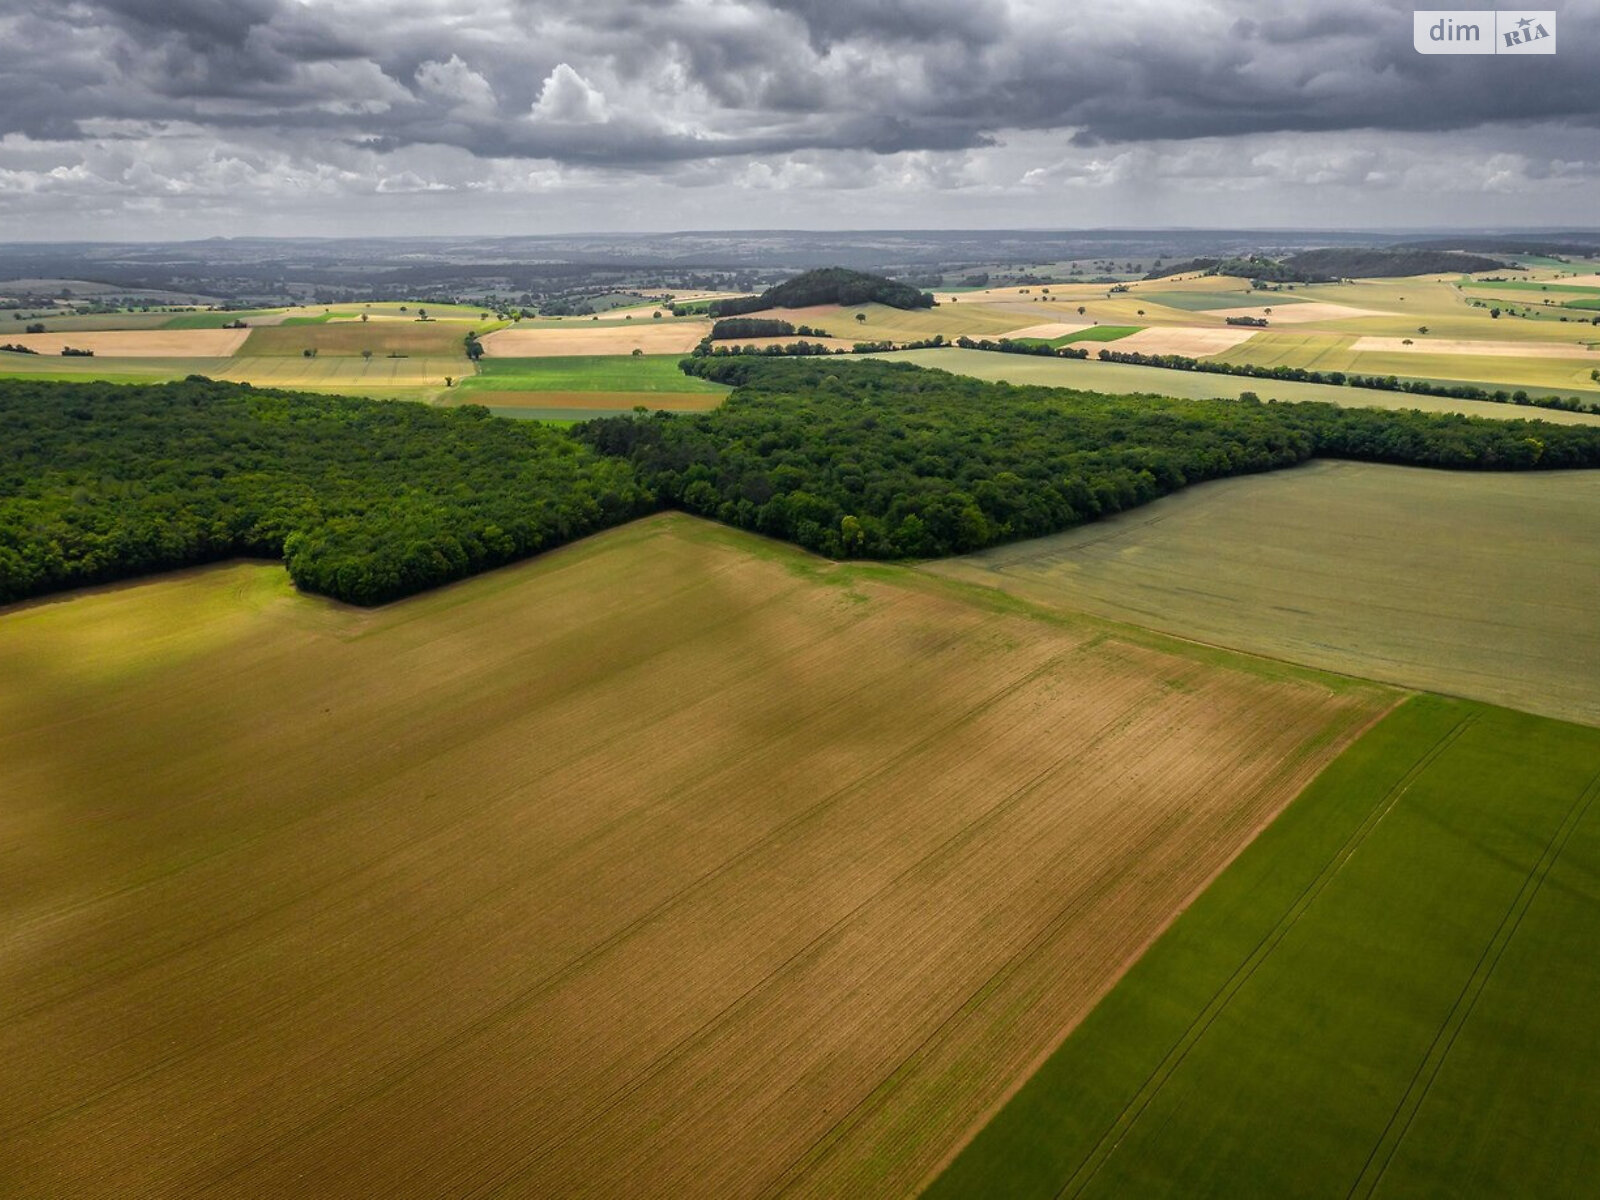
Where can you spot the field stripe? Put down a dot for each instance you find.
(1405, 1112)
(1136, 1107)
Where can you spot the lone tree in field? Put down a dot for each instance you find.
(861, 317)
(366, 354)
(1082, 310)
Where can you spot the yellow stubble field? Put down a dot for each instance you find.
(671, 863)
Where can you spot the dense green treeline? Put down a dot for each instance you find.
(827, 285)
(885, 460)
(731, 328)
(364, 500)
(368, 501)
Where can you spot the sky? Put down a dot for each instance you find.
(168, 119)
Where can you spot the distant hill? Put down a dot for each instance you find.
(827, 285)
(1192, 266)
(1311, 266)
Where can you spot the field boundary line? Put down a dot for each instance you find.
(1157, 1080)
(1107, 877)
(1346, 738)
(1444, 1039)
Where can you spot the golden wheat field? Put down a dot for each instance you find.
(672, 863)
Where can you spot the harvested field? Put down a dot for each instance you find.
(673, 863)
(676, 337)
(1472, 584)
(1427, 345)
(1050, 329)
(1298, 314)
(1197, 343)
(139, 343)
(335, 372)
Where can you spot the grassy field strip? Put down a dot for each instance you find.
(112, 370)
(833, 756)
(1447, 581)
(1322, 1017)
(1113, 1137)
(603, 373)
(1126, 378)
(1428, 1070)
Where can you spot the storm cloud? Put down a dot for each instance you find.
(151, 99)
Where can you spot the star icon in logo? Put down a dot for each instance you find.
(1525, 22)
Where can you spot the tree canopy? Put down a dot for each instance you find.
(365, 501)
(885, 460)
(827, 285)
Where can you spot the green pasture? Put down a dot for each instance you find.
(112, 370)
(1207, 301)
(587, 373)
(213, 320)
(1530, 285)
(1391, 992)
(86, 323)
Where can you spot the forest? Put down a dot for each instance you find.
(827, 285)
(886, 460)
(364, 501)
(368, 501)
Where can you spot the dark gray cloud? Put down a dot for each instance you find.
(772, 75)
(169, 98)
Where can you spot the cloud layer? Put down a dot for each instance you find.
(117, 110)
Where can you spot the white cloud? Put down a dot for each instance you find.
(570, 98)
(454, 82)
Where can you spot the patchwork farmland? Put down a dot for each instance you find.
(1050, 793)
(678, 861)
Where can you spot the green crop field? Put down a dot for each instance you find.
(216, 320)
(1097, 333)
(112, 370)
(1530, 285)
(1391, 992)
(88, 322)
(593, 373)
(1197, 301)
(1122, 378)
(1470, 584)
(424, 339)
